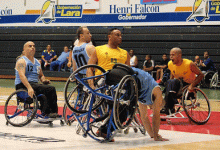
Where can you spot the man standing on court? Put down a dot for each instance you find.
(106, 56)
(27, 73)
(83, 50)
(183, 72)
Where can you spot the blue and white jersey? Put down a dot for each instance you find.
(31, 71)
(80, 56)
(147, 85)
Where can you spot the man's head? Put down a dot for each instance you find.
(48, 47)
(114, 36)
(83, 34)
(176, 55)
(148, 57)
(29, 49)
(197, 59)
(131, 52)
(164, 56)
(65, 49)
(206, 54)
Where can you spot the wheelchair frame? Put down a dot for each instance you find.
(86, 112)
(24, 109)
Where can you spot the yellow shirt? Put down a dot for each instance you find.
(183, 71)
(108, 57)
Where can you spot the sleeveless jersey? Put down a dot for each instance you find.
(80, 56)
(183, 71)
(147, 85)
(31, 71)
(108, 57)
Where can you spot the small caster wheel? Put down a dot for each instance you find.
(169, 121)
(85, 135)
(162, 119)
(135, 130)
(61, 123)
(6, 123)
(126, 131)
(50, 124)
(120, 131)
(68, 123)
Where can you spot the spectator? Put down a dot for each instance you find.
(207, 64)
(62, 60)
(148, 64)
(133, 60)
(47, 56)
(198, 61)
(161, 68)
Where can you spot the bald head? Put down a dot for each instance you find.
(177, 50)
(29, 49)
(176, 55)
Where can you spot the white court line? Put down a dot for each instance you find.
(74, 141)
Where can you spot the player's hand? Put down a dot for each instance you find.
(51, 60)
(69, 64)
(46, 81)
(30, 92)
(159, 138)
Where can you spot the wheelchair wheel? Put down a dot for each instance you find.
(68, 115)
(125, 102)
(196, 106)
(214, 80)
(20, 109)
(207, 79)
(76, 90)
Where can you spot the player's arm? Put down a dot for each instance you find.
(128, 60)
(156, 114)
(20, 67)
(199, 74)
(90, 50)
(70, 59)
(92, 60)
(42, 78)
(74, 64)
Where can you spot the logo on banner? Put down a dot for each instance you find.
(158, 1)
(50, 12)
(200, 11)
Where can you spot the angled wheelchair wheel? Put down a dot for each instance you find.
(77, 89)
(214, 80)
(125, 102)
(137, 121)
(207, 79)
(196, 106)
(68, 115)
(20, 109)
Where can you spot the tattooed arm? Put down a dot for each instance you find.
(20, 67)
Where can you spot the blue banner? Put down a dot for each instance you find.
(158, 1)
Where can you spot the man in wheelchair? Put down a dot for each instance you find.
(183, 73)
(27, 73)
(106, 56)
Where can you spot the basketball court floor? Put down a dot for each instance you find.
(181, 133)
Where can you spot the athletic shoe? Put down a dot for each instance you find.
(100, 134)
(53, 115)
(159, 81)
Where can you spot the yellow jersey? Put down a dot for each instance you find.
(108, 57)
(183, 71)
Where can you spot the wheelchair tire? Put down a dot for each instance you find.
(196, 106)
(137, 121)
(17, 112)
(125, 102)
(68, 115)
(207, 79)
(76, 93)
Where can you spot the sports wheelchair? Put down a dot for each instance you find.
(194, 106)
(20, 109)
(206, 81)
(215, 80)
(112, 103)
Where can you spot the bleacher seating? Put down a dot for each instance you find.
(192, 40)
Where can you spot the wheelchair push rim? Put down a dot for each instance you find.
(196, 106)
(19, 112)
(76, 89)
